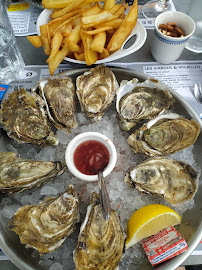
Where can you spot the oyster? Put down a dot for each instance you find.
(138, 101)
(96, 90)
(23, 117)
(59, 95)
(166, 134)
(101, 242)
(175, 181)
(46, 226)
(17, 174)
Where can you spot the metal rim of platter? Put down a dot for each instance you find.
(21, 256)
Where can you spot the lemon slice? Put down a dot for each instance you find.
(150, 220)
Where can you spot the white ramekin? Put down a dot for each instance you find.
(166, 49)
(86, 136)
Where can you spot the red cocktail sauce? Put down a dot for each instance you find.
(90, 157)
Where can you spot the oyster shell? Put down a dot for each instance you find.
(166, 134)
(96, 90)
(101, 242)
(17, 174)
(138, 101)
(23, 117)
(175, 181)
(59, 96)
(45, 226)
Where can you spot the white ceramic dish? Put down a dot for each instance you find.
(166, 49)
(83, 137)
(138, 31)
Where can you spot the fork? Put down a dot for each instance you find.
(198, 92)
(104, 197)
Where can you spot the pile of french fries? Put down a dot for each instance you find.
(84, 30)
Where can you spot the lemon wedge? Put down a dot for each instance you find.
(150, 220)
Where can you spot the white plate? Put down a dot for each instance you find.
(138, 31)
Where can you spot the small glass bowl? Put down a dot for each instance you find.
(86, 136)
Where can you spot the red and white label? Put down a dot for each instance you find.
(165, 245)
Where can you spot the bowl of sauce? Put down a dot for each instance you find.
(88, 153)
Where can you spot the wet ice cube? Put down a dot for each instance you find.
(48, 190)
(56, 266)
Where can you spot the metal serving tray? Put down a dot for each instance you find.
(20, 256)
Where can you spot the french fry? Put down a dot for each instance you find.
(113, 23)
(68, 8)
(93, 20)
(55, 45)
(99, 42)
(91, 11)
(109, 4)
(76, 21)
(45, 37)
(73, 47)
(109, 36)
(59, 56)
(56, 22)
(52, 27)
(90, 55)
(80, 57)
(56, 3)
(98, 4)
(124, 30)
(85, 6)
(60, 27)
(67, 30)
(122, 16)
(98, 30)
(87, 3)
(115, 8)
(75, 34)
(104, 54)
(67, 16)
(92, 1)
(111, 32)
(36, 41)
(81, 48)
(121, 10)
(96, 18)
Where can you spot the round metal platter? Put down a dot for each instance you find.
(21, 257)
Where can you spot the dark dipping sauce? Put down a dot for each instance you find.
(90, 157)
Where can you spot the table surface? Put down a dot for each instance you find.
(33, 56)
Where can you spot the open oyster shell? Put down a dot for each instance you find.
(59, 96)
(17, 174)
(175, 181)
(96, 90)
(140, 101)
(101, 242)
(23, 117)
(164, 135)
(45, 226)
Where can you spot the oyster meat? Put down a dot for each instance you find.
(175, 181)
(17, 174)
(138, 101)
(59, 95)
(96, 89)
(100, 243)
(164, 135)
(45, 226)
(23, 117)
